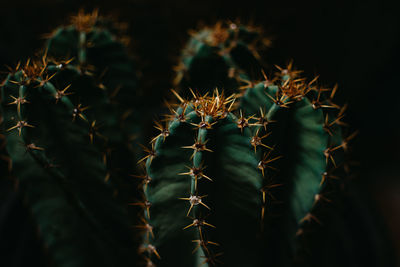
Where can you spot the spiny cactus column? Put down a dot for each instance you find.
(97, 48)
(58, 151)
(217, 56)
(103, 78)
(203, 188)
(293, 149)
(306, 131)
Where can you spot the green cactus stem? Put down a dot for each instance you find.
(199, 204)
(218, 56)
(306, 131)
(96, 47)
(58, 148)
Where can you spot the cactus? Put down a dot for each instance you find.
(291, 155)
(207, 177)
(307, 132)
(220, 170)
(97, 46)
(64, 121)
(220, 55)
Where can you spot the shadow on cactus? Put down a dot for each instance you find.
(68, 134)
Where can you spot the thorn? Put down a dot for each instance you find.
(151, 153)
(196, 174)
(329, 154)
(164, 132)
(266, 81)
(309, 217)
(148, 228)
(266, 191)
(345, 142)
(257, 141)
(199, 223)
(146, 180)
(242, 122)
(181, 117)
(178, 96)
(60, 93)
(107, 177)
(211, 259)
(263, 120)
(264, 163)
(94, 131)
(198, 146)
(146, 204)
(44, 81)
(204, 124)
(203, 243)
(194, 201)
(18, 101)
(320, 197)
(19, 126)
(32, 146)
(326, 175)
(333, 92)
(150, 249)
(248, 84)
(280, 100)
(78, 111)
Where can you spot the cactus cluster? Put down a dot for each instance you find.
(274, 140)
(235, 176)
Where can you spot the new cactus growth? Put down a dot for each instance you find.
(217, 56)
(63, 122)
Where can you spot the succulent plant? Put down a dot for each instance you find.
(217, 56)
(96, 46)
(206, 175)
(214, 193)
(67, 127)
(236, 175)
(258, 170)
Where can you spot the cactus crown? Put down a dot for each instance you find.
(231, 49)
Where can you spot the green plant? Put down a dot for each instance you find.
(214, 174)
(211, 201)
(68, 132)
(216, 57)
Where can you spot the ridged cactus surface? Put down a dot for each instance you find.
(66, 136)
(198, 197)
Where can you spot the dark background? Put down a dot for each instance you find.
(352, 43)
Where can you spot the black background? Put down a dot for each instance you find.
(352, 43)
